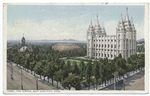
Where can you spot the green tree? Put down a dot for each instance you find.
(96, 72)
(72, 81)
(69, 69)
(58, 76)
(75, 68)
(27, 62)
(52, 68)
(82, 69)
(62, 63)
(32, 64)
(121, 66)
(38, 68)
(88, 73)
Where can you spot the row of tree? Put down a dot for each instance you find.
(140, 48)
(71, 74)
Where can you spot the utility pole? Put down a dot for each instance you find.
(11, 71)
(124, 83)
(21, 80)
(114, 81)
(37, 83)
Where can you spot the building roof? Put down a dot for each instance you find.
(25, 48)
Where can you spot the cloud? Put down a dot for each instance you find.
(47, 29)
(58, 29)
(139, 30)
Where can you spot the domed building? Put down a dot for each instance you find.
(67, 47)
(24, 49)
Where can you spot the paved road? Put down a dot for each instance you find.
(29, 81)
(135, 82)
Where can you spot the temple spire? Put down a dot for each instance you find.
(121, 19)
(102, 25)
(131, 20)
(127, 17)
(103, 28)
(91, 24)
(97, 22)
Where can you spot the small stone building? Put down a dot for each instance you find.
(24, 48)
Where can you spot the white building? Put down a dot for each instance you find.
(101, 45)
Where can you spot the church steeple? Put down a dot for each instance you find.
(127, 17)
(23, 41)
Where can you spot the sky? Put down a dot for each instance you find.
(58, 22)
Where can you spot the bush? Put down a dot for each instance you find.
(85, 84)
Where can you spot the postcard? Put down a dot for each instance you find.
(75, 48)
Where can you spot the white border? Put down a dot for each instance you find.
(146, 34)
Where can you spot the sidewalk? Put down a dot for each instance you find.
(102, 86)
(92, 87)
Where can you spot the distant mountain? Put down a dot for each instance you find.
(140, 41)
(49, 41)
(69, 40)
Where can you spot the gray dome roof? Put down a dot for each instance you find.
(25, 48)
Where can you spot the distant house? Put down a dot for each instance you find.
(24, 49)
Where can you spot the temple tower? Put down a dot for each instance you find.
(90, 40)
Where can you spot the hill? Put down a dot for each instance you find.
(140, 41)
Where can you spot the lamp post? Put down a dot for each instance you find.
(21, 80)
(37, 83)
(114, 81)
(124, 83)
(11, 71)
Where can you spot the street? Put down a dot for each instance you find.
(135, 82)
(29, 81)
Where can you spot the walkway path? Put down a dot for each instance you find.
(135, 82)
(29, 81)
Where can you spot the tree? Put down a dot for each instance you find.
(72, 81)
(96, 72)
(88, 73)
(44, 72)
(38, 68)
(82, 69)
(121, 66)
(62, 63)
(27, 62)
(75, 68)
(101, 71)
(58, 76)
(69, 69)
(51, 68)
(76, 82)
(120, 56)
(32, 64)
